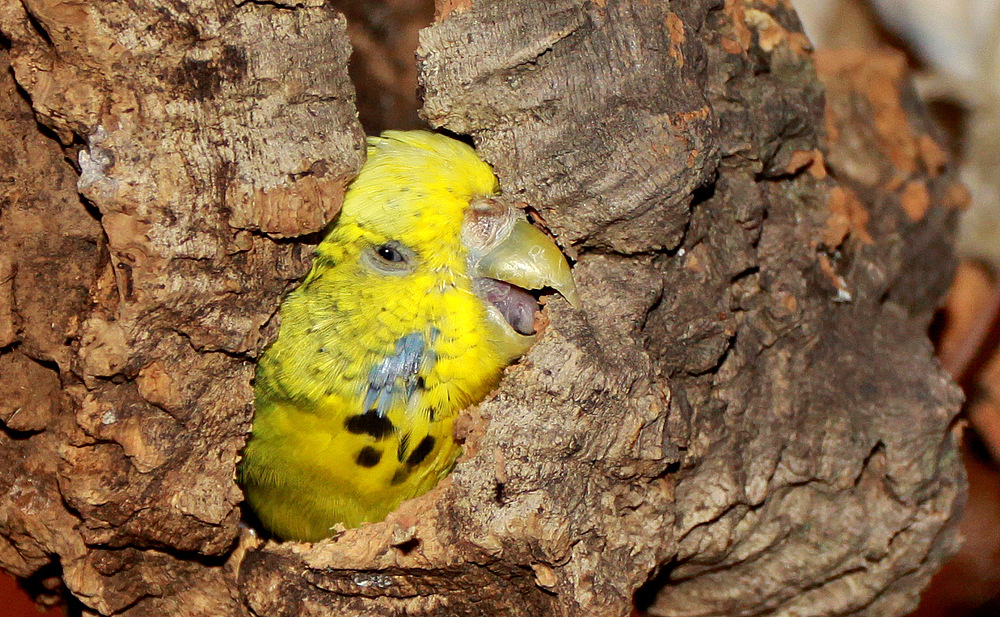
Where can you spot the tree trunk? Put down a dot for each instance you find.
(744, 418)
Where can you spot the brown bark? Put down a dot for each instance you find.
(745, 417)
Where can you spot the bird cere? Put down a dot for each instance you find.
(416, 301)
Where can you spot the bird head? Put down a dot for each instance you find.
(424, 215)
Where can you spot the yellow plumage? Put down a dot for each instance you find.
(390, 335)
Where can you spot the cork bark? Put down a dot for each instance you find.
(743, 418)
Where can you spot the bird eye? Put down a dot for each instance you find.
(391, 258)
(390, 254)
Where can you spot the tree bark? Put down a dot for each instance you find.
(744, 418)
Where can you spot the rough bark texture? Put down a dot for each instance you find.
(745, 417)
(200, 135)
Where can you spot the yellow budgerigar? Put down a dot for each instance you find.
(414, 304)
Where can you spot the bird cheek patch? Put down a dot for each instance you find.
(393, 381)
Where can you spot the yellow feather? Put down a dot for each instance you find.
(311, 462)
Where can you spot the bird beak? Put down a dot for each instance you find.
(531, 260)
(508, 257)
